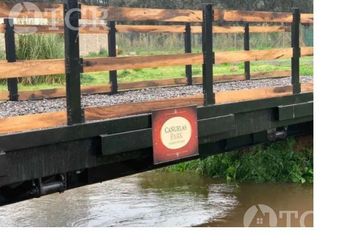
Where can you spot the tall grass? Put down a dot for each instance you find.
(38, 46)
(278, 162)
(146, 43)
(152, 43)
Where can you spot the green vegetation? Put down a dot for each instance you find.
(171, 72)
(278, 162)
(52, 46)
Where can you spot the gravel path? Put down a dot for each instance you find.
(8, 109)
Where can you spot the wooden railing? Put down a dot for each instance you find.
(110, 13)
(72, 66)
(31, 68)
(103, 29)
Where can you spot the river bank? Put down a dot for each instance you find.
(289, 161)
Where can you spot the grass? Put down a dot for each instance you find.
(174, 72)
(278, 162)
(40, 47)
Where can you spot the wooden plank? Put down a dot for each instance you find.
(136, 62)
(258, 93)
(198, 29)
(269, 29)
(241, 77)
(255, 16)
(55, 119)
(59, 29)
(141, 14)
(307, 51)
(39, 10)
(258, 55)
(46, 10)
(49, 120)
(238, 29)
(151, 28)
(145, 14)
(30, 68)
(26, 29)
(253, 55)
(102, 29)
(101, 89)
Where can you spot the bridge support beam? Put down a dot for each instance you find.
(10, 48)
(112, 52)
(188, 49)
(295, 44)
(247, 48)
(209, 56)
(73, 63)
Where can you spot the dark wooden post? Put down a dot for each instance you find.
(247, 48)
(10, 48)
(295, 60)
(112, 52)
(73, 63)
(208, 54)
(188, 49)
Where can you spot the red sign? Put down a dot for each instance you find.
(175, 134)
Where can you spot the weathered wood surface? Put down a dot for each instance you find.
(102, 29)
(55, 119)
(254, 16)
(101, 89)
(31, 68)
(136, 62)
(198, 29)
(145, 14)
(56, 66)
(49, 120)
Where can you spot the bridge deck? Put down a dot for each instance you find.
(51, 113)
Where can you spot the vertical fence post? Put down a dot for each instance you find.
(73, 63)
(188, 49)
(10, 48)
(295, 44)
(112, 52)
(246, 45)
(208, 54)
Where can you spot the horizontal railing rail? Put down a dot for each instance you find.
(110, 13)
(103, 29)
(136, 85)
(29, 68)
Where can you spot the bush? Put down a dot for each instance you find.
(278, 162)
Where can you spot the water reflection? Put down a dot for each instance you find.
(155, 199)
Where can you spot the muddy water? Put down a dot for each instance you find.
(167, 199)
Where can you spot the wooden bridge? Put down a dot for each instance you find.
(52, 152)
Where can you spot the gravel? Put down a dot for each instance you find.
(8, 109)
